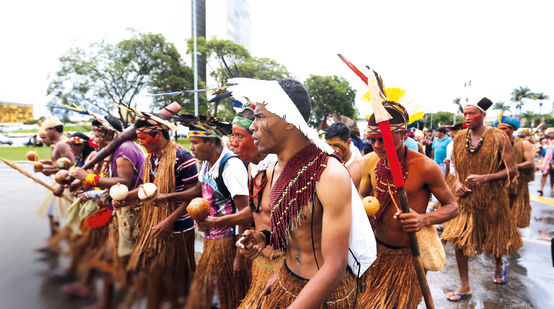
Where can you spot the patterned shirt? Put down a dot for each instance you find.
(186, 174)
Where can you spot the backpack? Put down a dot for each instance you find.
(219, 179)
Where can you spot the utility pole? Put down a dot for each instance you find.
(195, 57)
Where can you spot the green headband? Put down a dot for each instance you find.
(242, 122)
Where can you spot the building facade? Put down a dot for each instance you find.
(15, 112)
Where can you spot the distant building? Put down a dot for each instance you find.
(15, 112)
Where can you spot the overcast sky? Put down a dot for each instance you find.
(429, 48)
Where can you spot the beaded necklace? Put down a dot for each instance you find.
(471, 148)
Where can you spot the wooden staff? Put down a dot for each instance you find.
(382, 119)
(40, 182)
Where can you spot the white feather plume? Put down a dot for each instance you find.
(276, 100)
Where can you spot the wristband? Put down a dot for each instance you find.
(267, 235)
(88, 180)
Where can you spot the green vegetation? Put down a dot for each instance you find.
(72, 128)
(18, 153)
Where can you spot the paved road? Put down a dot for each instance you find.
(24, 282)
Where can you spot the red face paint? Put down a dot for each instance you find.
(149, 142)
(243, 143)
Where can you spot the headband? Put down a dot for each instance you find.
(276, 101)
(241, 121)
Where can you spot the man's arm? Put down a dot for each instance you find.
(365, 188)
(334, 193)
(433, 179)
(528, 156)
(65, 151)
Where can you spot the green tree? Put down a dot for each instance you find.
(234, 53)
(529, 118)
(520, 94)
(440, 118)
(105, 74)
(330, 95)
(501, 106)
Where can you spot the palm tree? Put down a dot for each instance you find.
(518, 95)
(501, 106)
(540, 96)
(529, 118)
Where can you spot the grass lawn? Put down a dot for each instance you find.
(18, 153)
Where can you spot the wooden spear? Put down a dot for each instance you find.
(40, 182)
(382, 118)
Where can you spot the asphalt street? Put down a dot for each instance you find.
(24, 282)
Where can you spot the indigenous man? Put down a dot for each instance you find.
(125, 167)
(483, 160)
(269, 261)
(338, 137)
(309, 190)
(392, 280)
(524, 158)
(54, 208)
(221, 270)
(163, 258)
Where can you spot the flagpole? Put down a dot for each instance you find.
(195, 57)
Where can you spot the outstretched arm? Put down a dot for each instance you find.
(334, 192)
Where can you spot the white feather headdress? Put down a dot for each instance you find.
(276, 100)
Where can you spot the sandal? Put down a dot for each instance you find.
(76, 290)
(461, 296)
(540, 192)
(498, 277)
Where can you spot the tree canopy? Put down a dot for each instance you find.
(105, 74)
(330, 95)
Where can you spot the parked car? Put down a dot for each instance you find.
(5, 140)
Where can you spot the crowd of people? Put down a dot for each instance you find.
(286, 226)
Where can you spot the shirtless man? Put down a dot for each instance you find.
(315, 272)
(338, 137)
(53, 129)
(54, 208)
(259, 175)
(392, 279)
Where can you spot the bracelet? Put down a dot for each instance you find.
(267, 235)
(91, 180)
(96, 179)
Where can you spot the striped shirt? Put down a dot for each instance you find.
(186, 174)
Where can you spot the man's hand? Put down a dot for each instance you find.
(461, 189)
(58, 190)
(118, 204)
(251, 244)
(75, 185)
(79, 173)
(48, 170)
(239, 266)
(474, 180)
(208, 223)
(412, 221)
(163, 229)
(270, 283)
